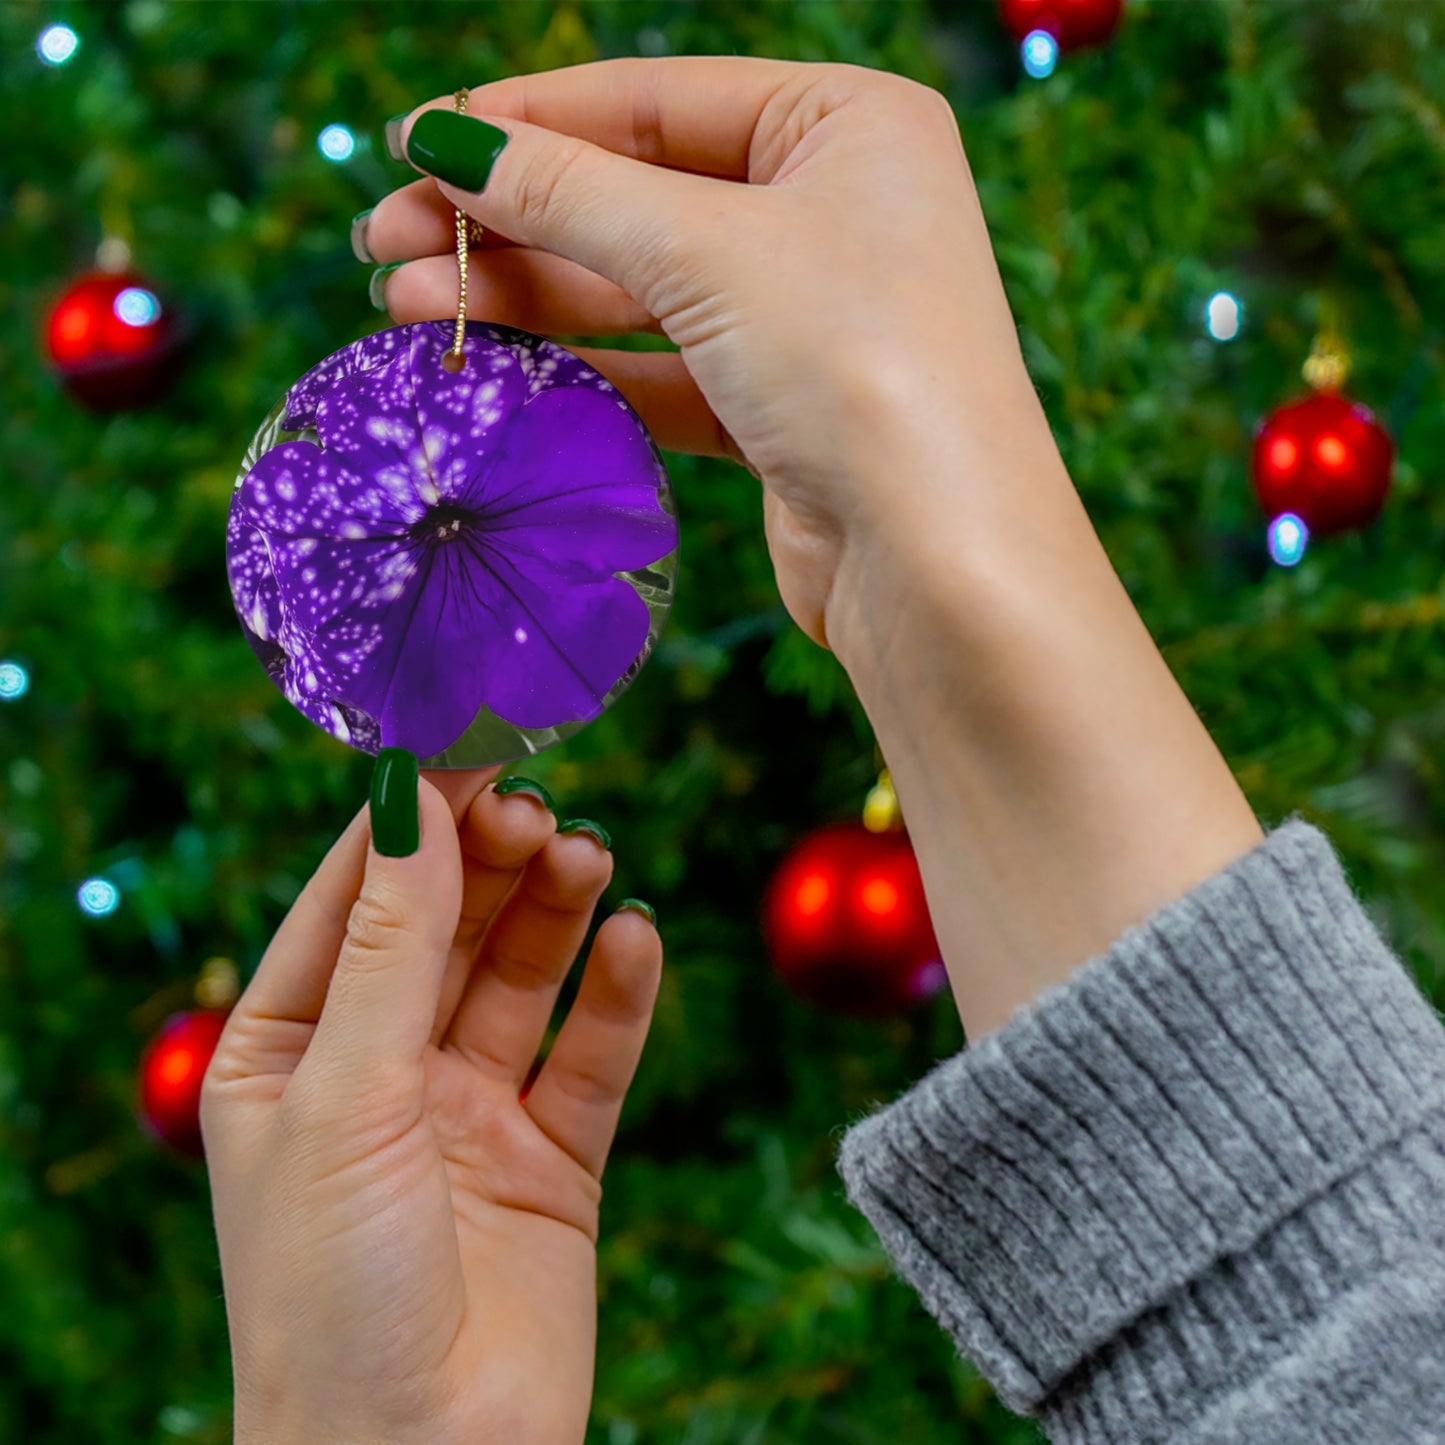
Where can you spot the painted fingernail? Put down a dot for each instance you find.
(455, 148)
(393, 136)
(376, 288)
(395, 821)
(359, 248)
(526, 785)
(586, 825)
(636, 905)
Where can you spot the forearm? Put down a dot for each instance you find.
(1057, 784)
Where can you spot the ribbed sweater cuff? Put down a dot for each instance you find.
(1129, 1161)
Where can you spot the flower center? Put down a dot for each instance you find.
(445, 523)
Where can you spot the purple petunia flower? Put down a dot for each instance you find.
(450, 543)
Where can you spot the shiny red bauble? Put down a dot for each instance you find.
(1324, 458)
(1073, 23)
(112, 341)
(171, 1071)
(847, 924)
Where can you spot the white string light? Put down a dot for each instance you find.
(1288, 538)
(1040, 54)
(336, 143)
(57, 44)
(1223, 316)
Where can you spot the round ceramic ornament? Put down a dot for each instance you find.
(458, 542)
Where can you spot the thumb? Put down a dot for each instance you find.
(630, 222)
(382, 1000)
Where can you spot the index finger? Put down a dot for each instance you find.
(292, 978)
(696, 113)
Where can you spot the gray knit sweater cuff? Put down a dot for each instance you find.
(1134, 1188)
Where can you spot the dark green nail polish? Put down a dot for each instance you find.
(376, 288)
(586, 825)
(395, 824)
(455, 148)
(393, 136)
(359, 248)
(636, 905)
(526, 785)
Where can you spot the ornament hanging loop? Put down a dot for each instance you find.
(469, 232)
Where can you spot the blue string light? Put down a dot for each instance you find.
(57, 44)
(14, 681)
(98, 897)
(1288, 538)
(336, 143)
(1040, 52)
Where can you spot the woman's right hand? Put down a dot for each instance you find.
(843, 329)
(840, 317)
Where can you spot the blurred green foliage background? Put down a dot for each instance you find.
(1285, 152)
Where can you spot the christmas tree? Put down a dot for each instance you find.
(1180, 215)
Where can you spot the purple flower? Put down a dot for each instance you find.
(452, 543)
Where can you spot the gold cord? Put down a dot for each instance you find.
(467, 231)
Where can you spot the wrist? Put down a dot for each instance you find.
(951, 512)
(277, 1430)
(1057, 784)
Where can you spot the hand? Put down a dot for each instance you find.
(829, 310)
(408, 1248)
(843, 328)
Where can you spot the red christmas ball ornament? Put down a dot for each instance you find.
(847, 924)
(171, 1071)
(112, 341)
(1326, 459)
(1073, 23)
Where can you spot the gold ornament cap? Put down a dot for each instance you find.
(1328, 365)
(881, 813)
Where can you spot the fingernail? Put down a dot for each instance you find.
(586, 825)
(395, 820)
(525, 785)
(455, 148)
(393, 136)
(359, 248)
(376, 287)
(636, 905)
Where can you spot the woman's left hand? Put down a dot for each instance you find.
(407, 1235)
